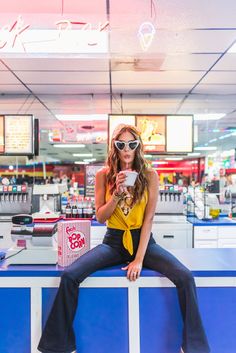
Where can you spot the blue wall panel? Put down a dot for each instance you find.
(160, 320)
(101, 322)
(218, 308)
(15, 320)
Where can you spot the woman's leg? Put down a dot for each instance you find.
(158, 259)
(58, 335)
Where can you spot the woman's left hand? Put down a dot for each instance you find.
(133, 270)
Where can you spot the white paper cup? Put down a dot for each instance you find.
(131, 176)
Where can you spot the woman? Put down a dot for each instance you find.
(129, 214)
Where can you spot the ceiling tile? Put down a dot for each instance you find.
(58, 64)
(81, 7)
(6, 77)
(63, 77)
(220, 77)
(156, 78)
(151, 88)
(189, 62)
(215, 89)
(227, 62)
(25, 6)
(12, 89)
(69, 89)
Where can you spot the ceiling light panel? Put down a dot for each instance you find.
(205, 148)
(208, 116)
(69, 145)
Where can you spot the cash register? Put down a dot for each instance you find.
(34, 243)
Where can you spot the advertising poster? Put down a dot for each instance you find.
(2, 149)
(153, 132)
(91, 171)
(70, 132)
(18, 134)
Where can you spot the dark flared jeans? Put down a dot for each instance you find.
(58, 335)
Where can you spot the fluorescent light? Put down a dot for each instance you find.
(174, 159)
(194, 154)
(205, 148)
(147, 156)
(82, 154)
(225, 136)
(208, 116)
(79, 162)
(78, 117)
(157, 162)
(69, 145)
(90, 160)
(213, 140)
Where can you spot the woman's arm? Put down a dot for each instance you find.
(136, 265)
(105, 209)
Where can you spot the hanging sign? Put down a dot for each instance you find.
(68, 37)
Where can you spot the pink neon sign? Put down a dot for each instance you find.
(10, 33)
(84, 26)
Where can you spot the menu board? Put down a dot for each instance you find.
(160, 133)
(115, 120)
(182, 141)
(18, 134)
(2, 149)
(153, 132)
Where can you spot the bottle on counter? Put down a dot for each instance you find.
(74, 211)
(80, 212)
(68, 210)
(80, 209)
(90, 209)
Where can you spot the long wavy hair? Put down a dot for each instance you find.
(140, 165)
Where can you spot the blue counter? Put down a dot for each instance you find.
(118, 316)
(221, 221)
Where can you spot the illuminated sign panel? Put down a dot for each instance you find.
(2, 134)
(115, 120)
(160, 133)
(153, 132)
(16, 135)
(179, 133)
(67, 36)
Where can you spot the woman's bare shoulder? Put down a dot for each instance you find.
(102, 173)
(151, 173)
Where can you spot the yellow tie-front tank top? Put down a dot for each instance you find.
(127, 217)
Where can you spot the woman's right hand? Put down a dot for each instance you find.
(120, 179)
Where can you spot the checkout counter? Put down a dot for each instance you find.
(121, 316)
(115, 315)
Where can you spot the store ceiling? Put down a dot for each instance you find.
(186, 70)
